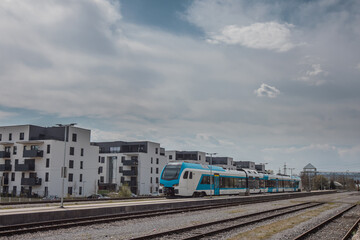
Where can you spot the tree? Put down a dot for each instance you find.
(320, 182)
(124, 191)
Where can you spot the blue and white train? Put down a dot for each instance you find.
(196, 180)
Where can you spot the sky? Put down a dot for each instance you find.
(266, 81)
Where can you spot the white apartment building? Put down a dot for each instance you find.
(137, 164)
(31, 158)
(224, 162)
(189, 156)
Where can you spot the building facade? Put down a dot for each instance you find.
(190, 156)
(136, 164)
(32, 157)
(224, 162)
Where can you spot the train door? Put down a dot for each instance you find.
(216, 184)
(277, 185)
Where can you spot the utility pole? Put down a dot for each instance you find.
(284, 168)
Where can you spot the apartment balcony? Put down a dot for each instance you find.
(133, 162)
(33, 153)
(31, 181)
(130, 183)
(24, 167)
(129, 172)
(4, 154)
(5, 181)
(5, 167)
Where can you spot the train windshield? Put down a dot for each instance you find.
(171, 172)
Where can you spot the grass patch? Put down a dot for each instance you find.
(266, 231)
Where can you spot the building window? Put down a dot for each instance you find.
(71, 177)
(151, 160)
(82, 152)
(150, 179)
(156, 150)
(99, 158)
(151, 170)
(12, 176)
(48, 148)
(80, 190)
(0, 137)
(14, 150)
(46, 177)
(74, 136)
(7, 149)
(80, 178)
(72, 150)
(70, 190)
(114, 149)
(81, 164)
(170, 157)
(157, 161)
(71, 163)
(10, 136)
(199, 157)
(102, 159)
(157, 170)
(21, 136)
(100, 170)
(101, 179)
(157, 180)
(47, 162)
(120, 169)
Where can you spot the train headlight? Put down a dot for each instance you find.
(161, 185)
(175, 185)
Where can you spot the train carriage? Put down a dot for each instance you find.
(192, 179)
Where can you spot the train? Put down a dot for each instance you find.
(185, 179)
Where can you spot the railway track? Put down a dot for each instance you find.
(74, 222)
(339, 226)
(217, 227)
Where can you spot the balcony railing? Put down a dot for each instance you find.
(5, 167)
(4, 154)
(129, 172)
(33, 153)
(130, 162)
(31, 181)
(24, 167)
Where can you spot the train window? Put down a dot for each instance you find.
(186, 175)
(190, 175)
(171, 172)
(206, 180)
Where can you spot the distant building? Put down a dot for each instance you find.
(309, 169)
(224, 162)
(190, 156)
(31, 158)
(260, 168)
(137, 164)
(245, 164)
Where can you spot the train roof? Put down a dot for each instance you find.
(198, 166)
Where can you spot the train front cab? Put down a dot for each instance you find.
(169, 180)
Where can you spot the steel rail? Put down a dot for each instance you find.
(351, 230)
(324, 223)
(73, 222)
(209, 233)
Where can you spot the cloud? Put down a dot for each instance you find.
(291, 150)
(267, 91)
(269, 35)
(314, 74)
(4, 115)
